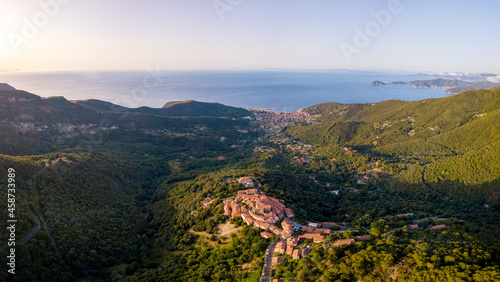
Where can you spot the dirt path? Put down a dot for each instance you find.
(423, 177)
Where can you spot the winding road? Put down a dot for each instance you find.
(33, 230)
(38, 223)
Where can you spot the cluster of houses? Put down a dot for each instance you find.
(257, 209)
(298, 146)
(302, 160)
(264, 212)
(207, 202)
(13, 99)
(318, 231)
(260, 149)
(273, 120)
(69, 130)
(289, 247)
(53, 162)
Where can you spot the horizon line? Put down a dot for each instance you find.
(253, 69)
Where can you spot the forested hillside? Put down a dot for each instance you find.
(456, 137)
(108, 193)
(188, 108)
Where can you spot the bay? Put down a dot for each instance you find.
(281, 90)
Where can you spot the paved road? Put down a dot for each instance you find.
(29, 235)
(33, 231)
(266, 271)
(38, 224)
(343, 228)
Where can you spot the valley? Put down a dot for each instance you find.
(368, 190)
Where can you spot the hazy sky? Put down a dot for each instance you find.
(445, 35)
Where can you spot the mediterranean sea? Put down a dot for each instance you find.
(282, 90)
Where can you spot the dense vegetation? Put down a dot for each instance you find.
(234, 261)
(118, 191)
(431, 255)
(451, 135)
(180, 108)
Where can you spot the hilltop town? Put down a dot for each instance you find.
(257, 209)
(292, 240)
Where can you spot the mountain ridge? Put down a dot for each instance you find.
(172, 109)
(441, 132)
(5, 86)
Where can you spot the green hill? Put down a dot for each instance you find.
(101, 105)
(194, 108)
(450, 134)
(33, 125)
(5, 86)
(478, 85)
(13, 95)
(172, 109)
(453, 86)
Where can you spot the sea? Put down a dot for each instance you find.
(278, 90)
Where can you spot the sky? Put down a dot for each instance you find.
(64, 35)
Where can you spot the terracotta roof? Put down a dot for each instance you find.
(280, 247)
(364, 238)
(307, 229)
(310, 236)
(266, 234)
(207, 201)
(339, 243)
(292, 241)
(246, 178)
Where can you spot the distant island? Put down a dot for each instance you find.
(455, 75)
(451, 86)
(377, 83)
